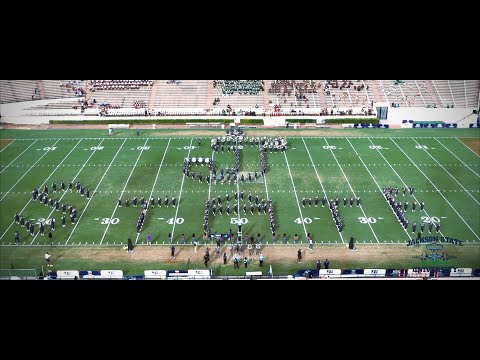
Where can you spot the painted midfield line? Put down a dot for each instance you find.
(448, 202)
(295, 192)
(453, 177)
(180, 196)
(31, 167)
(9, 145)
(65, 192)
(404, 183)
(17, 156)
(129, 176)
(379, 188)
(353, 191)
(49, 176)
(461, 142)
(458, 158)
(318, 177)
(154, 183)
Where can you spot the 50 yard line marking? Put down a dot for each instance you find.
(180, 196)
(17, 156)
(318, 177)
(458, 158)
(65, 192)
(295, 192)
(31, 167)
(154, 183)
(129, 176)
(348, 182)
(403, 182)
(448, 202)
(94, 192)
(29, 201)
(9, 144)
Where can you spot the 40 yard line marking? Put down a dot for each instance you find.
(65, 192)
(94, 192)
(129, 176)
(17, 156)
(318, 177)
(154, 183)
(458, 158)
(448, 202)
(467, 146)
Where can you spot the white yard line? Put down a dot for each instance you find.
(180, 196)
(211, 174)
(403, 182)
(295, 192)
(49, 176)
(154, 183)
(320, 181)
(31, 167)
(353, 191)
(469, 168)
(379, 188)
(126, 183)
(11, 144)
(94, 192)
(448, 172)
(265, 175)
(448, 202)
(5, 168)
(461, 142)
(73, 179)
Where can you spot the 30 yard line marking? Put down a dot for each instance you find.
(295, 192)
(9, 144)
(379, 188)
(180, 196)
(453, 177)
(65, 192)
(461, 142)
(458, 158)
(31, 167)
(17, 156)
(353, 191)
(129, 176)
(318, 177)
(438, 191)
(154, 183)
(49, 176)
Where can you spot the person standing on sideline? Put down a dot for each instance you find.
(299, 256)
(48, 259)
(172, 252)
(149, 239)
(17, 238)
(225, 258)
(195, 243)
(138, 132)
(260, 259)
(319, 264)
(326, 263)
(310, 242)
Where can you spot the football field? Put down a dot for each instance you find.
(443, 168)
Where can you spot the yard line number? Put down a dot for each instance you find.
(113, 221)
(306, 220)
(429, 220)
(178, 221)
(365, 220)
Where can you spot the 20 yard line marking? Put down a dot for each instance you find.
(180, 196)
(65, 192)
(458, 158)
(154, 183)
(318, 177)
(49, 176)
(8, 145)
(129, 176)
(353, 191)
(438, 191)
(31, 167)
(17, 156)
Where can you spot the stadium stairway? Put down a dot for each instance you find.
(434, 93)
(41, 89)
(209, 95)
(153, 95)
(378, 96)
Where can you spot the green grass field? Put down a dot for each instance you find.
(443, 170)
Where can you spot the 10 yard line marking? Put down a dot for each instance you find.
(458, 158)
(17, 156)
(180, 196)
(295, 192)
(318, 177)
(94, 192)
(65, 192)
(129, 176)
(348, 182)
(9, 145)
(154, 183)
(31, 167)
(29, 201)
(448, 202)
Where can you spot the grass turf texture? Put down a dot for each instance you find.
(122, 165)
